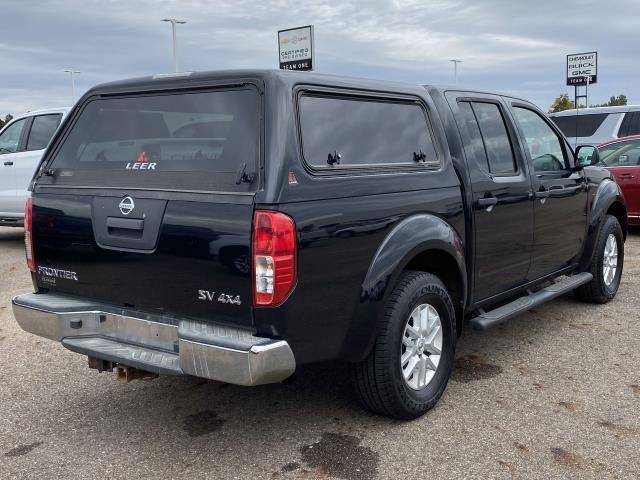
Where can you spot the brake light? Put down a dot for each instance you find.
(274, 257)
(28, 237)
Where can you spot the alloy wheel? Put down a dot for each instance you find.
(421, 346)
(610, 260)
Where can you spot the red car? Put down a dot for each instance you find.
(622, 158)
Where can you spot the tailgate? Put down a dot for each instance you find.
(182, 258)
(165, 224)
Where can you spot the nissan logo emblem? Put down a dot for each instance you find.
(126, 205)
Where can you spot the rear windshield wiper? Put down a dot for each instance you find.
(243, 176)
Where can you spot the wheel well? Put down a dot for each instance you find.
(445, 267)
(617, 210)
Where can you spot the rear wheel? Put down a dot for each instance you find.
(606, 264)
(409, 366)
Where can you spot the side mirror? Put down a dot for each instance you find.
(587, 155)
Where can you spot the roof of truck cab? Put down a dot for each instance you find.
(200, 78)
(289, 76)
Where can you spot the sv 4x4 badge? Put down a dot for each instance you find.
(208, 296)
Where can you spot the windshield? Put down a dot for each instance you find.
(205, 141)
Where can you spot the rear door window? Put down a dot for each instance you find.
(496, 138)
(363, 132)
(475, 144)
(42, 129)
(185, 141)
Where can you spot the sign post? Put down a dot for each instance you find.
(582, 70)
(295, 48)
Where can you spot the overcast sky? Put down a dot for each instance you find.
(514, 46)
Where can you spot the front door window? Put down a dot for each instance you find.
(542, 142)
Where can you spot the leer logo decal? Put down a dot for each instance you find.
(141, 163)
(126, 205)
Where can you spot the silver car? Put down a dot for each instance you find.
(593, 126)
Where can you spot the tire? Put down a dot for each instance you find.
(379, 379)
(601, 289)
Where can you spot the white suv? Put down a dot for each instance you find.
(22, 143)
(596, 125)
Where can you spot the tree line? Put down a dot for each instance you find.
(7, 119)
(563, 102)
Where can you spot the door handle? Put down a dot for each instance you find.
(573, 188)
(542, 194)
(487, 202)
(624, 176)
(8, 163)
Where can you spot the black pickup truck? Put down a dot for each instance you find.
(234, 225)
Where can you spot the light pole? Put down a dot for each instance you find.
(174, 22)
(455, 69)
(71, 73)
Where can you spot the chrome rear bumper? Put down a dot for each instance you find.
(171, 346)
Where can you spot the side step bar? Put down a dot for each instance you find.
(486, 320)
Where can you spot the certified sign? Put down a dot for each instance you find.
(581, 66)
(295, 47)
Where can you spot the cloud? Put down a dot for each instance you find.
(505, 45)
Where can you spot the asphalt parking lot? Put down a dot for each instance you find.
(554, 393)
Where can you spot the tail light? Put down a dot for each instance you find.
(28, 236)
(274, 257)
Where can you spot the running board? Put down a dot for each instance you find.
(486, 320)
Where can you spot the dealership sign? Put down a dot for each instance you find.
(295, 48)
(582, 66)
